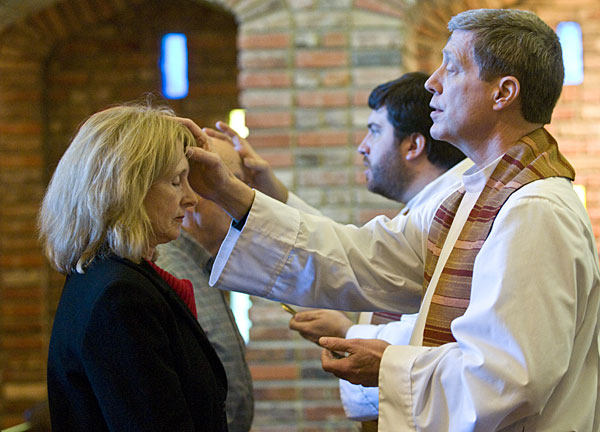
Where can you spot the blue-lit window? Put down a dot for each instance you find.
(569, 33)
(174, 66)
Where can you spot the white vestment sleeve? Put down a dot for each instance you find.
(287, 255)
(362, 403)
(395, 332)
(527, 343)
(298, 203)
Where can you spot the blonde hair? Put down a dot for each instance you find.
(94, 203)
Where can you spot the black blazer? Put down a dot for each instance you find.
(126, 354)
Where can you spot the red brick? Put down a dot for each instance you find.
(265, 333)
(262, 98)
(267, 355)
(21, 95)
(21, 342)
(321, 58)
(273, 372)
(268, 120)
(359, 178)
(29, 260)
(209, 39)
(17, 128)
(29, 294)
(323, 139)
(331, 98)
(14, 310)
(277, 40)
(357, 137)
(324, 412)
(361, 98)
(379, 7)
(323, 178)
(278, 159)
(320, 393)
(275, 393)
(264, 79)
(262, 139)
(10, 160)
(337, 39)
(310, 352)
(336, 78)
(269, 60)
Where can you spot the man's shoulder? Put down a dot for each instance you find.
(437, 190)
(556, 192)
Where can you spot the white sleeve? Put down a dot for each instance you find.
(362, 403)
(528, 339)
(286, 255)
(395, 332)
(298, 203)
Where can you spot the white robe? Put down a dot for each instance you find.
(527, 350)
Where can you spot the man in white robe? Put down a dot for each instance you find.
(526, 354)
(404, 163)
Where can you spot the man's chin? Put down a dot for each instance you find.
(372, 187)
(436, 133)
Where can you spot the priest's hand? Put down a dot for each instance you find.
(257, 171)
(212, 179)
(361, 363)
(312, 324)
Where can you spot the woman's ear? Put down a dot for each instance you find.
(415, 143)
(506, 92)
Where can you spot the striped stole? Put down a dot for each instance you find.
(385, 317)
(534, 157)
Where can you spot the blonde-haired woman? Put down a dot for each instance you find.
(126, 351)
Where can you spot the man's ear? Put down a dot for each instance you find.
(506, 92)
(415, 143)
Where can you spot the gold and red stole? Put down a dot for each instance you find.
(534, 157)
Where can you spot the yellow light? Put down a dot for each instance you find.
(237, 122)
(580, 191)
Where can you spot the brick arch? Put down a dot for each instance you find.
(247, 12)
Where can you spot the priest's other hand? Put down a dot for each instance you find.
(360, 365)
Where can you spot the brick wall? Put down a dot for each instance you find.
(304, 71)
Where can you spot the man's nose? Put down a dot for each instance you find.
(432, 83)
(363, 147)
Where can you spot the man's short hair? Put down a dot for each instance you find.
(520, 44)
(407, 103)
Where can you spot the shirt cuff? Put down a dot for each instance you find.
(362, 331)
(395, 388)
(238, 225)
(360, 403)
(264, 247)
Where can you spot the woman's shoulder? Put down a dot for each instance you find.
(111, 272)
(112, 267)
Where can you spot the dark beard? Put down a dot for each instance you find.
(390, 180)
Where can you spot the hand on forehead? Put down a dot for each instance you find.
(230, 157)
